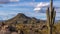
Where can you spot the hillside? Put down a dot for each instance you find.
(21, 24)
(21, 18)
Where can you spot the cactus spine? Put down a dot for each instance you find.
(51, 13)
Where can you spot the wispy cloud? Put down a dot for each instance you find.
(22, 4)
(7, 15)
(7, 1)
(40, 5)
(14, 0)
(28, 8)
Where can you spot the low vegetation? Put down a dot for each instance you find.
(22, 24)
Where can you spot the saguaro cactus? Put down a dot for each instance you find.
(51, 13)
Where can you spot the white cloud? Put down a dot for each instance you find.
(14, 0)
(21, 4)
(36, 9)
(40, 5)
(7, 15)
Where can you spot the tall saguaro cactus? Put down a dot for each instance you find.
(51, 13)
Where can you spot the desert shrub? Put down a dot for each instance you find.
(11, 28)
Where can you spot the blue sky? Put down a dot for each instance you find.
(31, 8)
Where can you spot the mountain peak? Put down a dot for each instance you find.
(20, 15)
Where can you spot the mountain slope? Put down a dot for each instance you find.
(21, 18)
